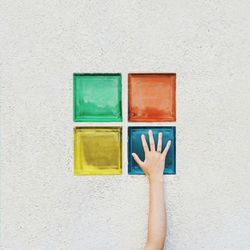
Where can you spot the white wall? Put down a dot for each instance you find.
(43, 206)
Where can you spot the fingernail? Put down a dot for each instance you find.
(160, 134)
(150, 131)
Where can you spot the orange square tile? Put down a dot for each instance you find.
(152, 97)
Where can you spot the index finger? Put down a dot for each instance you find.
(144, 144)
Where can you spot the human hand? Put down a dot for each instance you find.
(153, 165)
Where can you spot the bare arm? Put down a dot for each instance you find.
(153, 167)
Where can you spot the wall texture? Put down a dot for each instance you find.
(43, 206)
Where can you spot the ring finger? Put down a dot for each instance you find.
(159, 145)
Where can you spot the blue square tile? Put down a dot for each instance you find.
(135, 145)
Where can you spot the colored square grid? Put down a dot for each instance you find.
(135, 146)
(152, 97)
(97, 98)
(97, 151)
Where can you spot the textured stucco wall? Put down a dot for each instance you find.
(43, 206)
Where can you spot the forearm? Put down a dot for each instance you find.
(153, 167)
(157, 214)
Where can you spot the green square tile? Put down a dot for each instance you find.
(97, 98)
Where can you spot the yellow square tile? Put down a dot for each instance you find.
(97, 151)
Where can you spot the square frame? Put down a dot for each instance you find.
(152, 97)
(84, 154)
(134, 137)
(97, 103)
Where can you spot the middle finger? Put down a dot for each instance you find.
(151, 140)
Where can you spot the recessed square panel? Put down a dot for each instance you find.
(97, 97)
(135, 146)
(152, 97)
(97, 151)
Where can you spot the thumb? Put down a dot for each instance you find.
(137, 159)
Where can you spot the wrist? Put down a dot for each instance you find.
(155, 179)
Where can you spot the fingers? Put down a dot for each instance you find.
(144, 144)
(151, 140)
(137, 159)
(159, 145)
(165, 151)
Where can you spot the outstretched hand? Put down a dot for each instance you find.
(153, 165)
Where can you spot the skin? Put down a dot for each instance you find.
(153, 167)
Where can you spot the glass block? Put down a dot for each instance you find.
(97, 98)
(135, 146)
(152, 97)
(97, 151)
